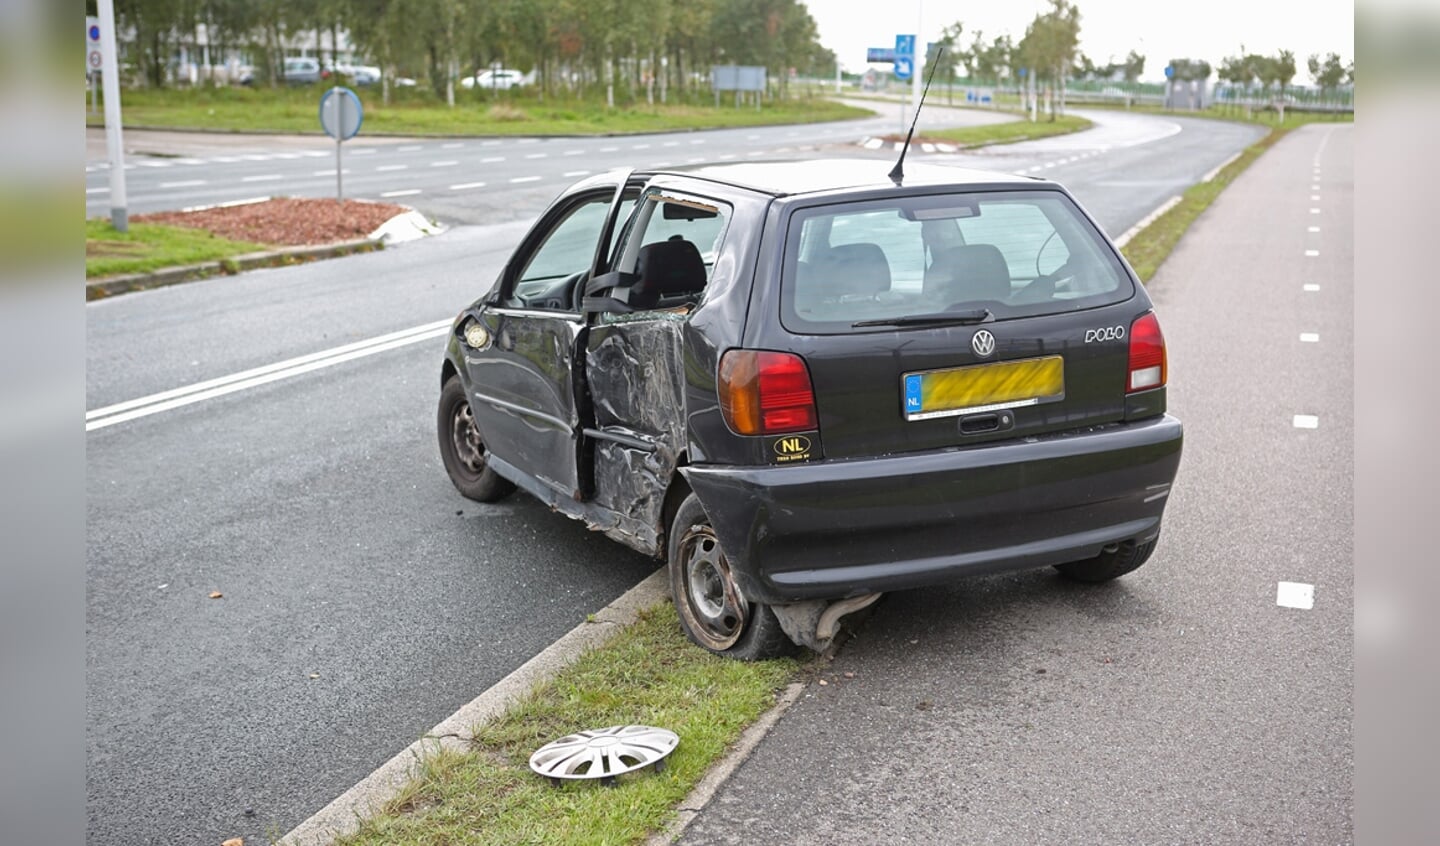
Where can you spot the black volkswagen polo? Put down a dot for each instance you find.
(803, 384)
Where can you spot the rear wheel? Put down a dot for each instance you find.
(462, 447)
(1109, 564)
(713, 612)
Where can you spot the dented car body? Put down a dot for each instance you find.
(804, 384)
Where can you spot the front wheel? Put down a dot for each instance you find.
(463, 449)
(1111, 563)
(713, 612)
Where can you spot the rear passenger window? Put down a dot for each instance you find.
(1016, 254)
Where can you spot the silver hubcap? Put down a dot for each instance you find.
(717, 605)
(466, 437)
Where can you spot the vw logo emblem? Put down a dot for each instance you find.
(983, 343)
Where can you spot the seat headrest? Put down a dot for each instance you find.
(856, 269)
(970, 272)
(665, 269)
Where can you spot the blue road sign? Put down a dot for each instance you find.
(1169, 71)
(904, 67)
(341, 119)
(904, 56)
(879, 54)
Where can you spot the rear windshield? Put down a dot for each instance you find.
(1013, 254)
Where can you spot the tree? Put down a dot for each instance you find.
(1134, 66)
(1048, 50)
(951, 55)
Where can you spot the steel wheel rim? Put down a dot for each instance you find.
(716, 605)
(465, 437)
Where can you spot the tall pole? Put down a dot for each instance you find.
(339, 134)
(114, 143)
(920, 57)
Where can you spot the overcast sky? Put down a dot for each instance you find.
(1160, 30)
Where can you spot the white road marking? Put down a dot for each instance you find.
(1311, 287)
(1313, 229)
(671, 144)
(316, 154)
(444, 164)
(1295, 595)
(330, 172)
(873, 143)
(384, 168)
(574, 153)
(269, 177)
(1314, 187)
(1310, 337)
(609, 149)
(1307, 421)
(1312, 253)
(697, 141)
(1049, 164)
(286, 155)
(641, 147)
(404, 192)
(254, 157)
(414, 148)
(1314, 198)
(727, 157)
(751, 137)
(454, 146)
(489, 143)
(190, 161)
(756, 153)
(899, 145)
(466, 186)
(149, 163)
(1146, 221)
(176, 398)
(695, 160)
(573, 173)
(536, 155)
(1314, 211)
(524, 179)
(248, 201)
(492, 160)
(1035, 169)
(1214, 172)
(184, 183)
(99, 190)
(946, 148)
(364, 151)
(927, 147)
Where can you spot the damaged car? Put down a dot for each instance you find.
(804, 384)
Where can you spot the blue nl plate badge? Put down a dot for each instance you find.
(912, 393)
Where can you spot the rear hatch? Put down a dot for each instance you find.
(946, 320)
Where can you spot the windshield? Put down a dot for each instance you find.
(885, 263)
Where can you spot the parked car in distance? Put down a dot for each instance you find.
(497, 79)
(358, 74)
(802, 384)
(301, 70)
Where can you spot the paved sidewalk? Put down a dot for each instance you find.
(1181, 704)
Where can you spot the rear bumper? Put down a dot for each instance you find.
(832, 529)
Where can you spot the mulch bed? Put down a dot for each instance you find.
(284, 221)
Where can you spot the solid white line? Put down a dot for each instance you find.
(1146, 221)
(465, 186)
(184, 183)
(444, 164)
(1295, 595)
(404, 192)
(269, 177)
(177, 397)
(1307, 421)
(1310, 337)
(384, 168)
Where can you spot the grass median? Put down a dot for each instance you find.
(1009, 133)
(1149, 248)
(474, 114)
(647, 674)
(148, 247)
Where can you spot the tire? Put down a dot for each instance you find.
(713, 612)
(463, 449)
(1110, 564)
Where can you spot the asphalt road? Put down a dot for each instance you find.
(362, 599)
(1183, 703)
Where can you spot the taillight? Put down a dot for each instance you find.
(766, 393)
(1147, 355)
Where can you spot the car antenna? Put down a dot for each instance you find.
(898, 172)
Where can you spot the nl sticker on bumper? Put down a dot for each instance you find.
(983, 387)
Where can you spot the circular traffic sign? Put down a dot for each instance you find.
(94, 33)
(340, 113)
(96, 59)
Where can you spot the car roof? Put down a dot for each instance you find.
(783, 178)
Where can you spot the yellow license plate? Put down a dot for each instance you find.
(982, 387)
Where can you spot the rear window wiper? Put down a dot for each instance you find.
(953, 318)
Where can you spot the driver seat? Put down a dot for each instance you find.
(968, 273)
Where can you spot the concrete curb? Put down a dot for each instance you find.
(204, 270)
(343, 815)
(694, 803)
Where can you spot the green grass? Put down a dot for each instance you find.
(1009, 133)
(475, 113)
(1236, 114)
(148, 247)
(647, 674)
(1152, 245)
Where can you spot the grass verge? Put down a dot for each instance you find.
(649, 674)
(1152, 245)
(475, 113)
(1009, 133)
(148, 247)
